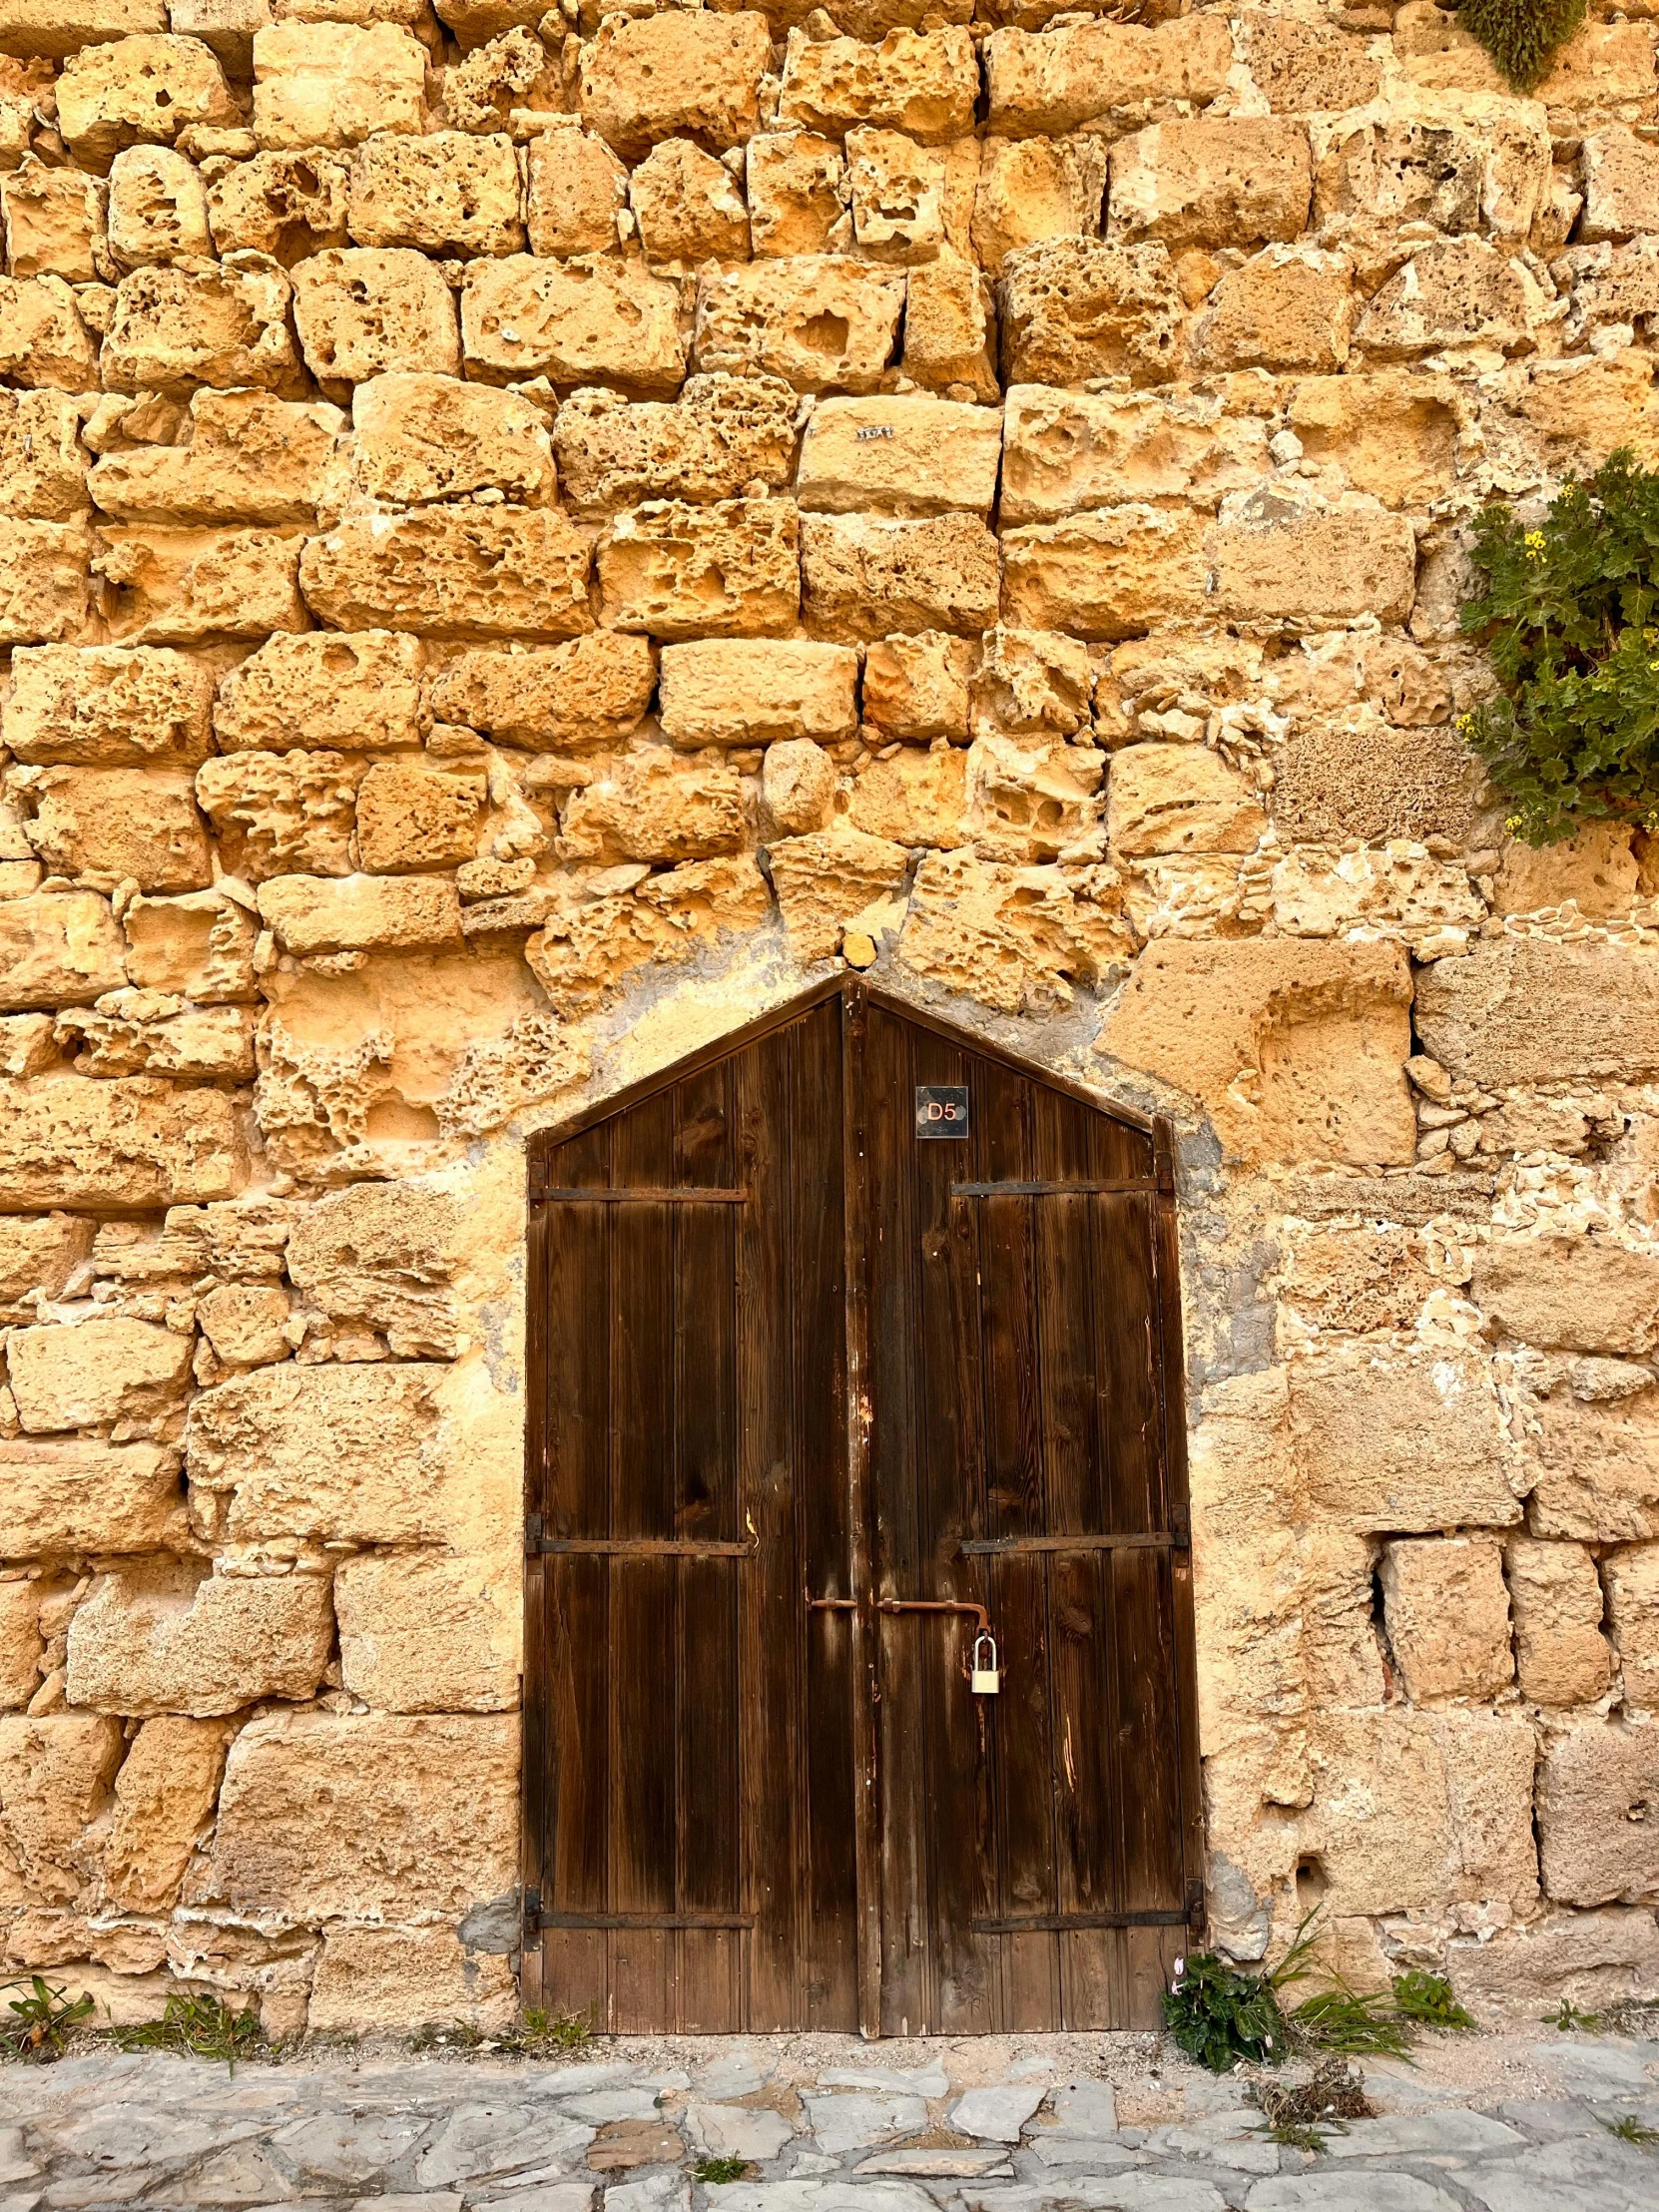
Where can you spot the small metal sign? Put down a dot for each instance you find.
(941, 1110)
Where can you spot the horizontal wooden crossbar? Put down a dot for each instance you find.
(1158, 1539)
(638, 1547)
(644, 1920)
(643, 1197)
(1060, 1924)
(1051, 1190)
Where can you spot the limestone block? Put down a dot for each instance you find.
(1067, 450)
(419, 439)
(1596, 1837)
(412, 817)
(1287, 307)
(334, 84)
(1621, 185)
(198, 947)
(382, 1257)
(795, 182)
(1581, 1294)
(363, 311)
(139, 91)
(324, 1814)
(1356, 1280)
(1299, 65)
(47, 27)
(20, 1644)
(1415, 1443)
(917, 688)
(1280, 560)
(55, 1777)
(863, 574)
(227, 25)
(797, 787)
(1561, 1655)
(1392, 434)
(908, 456)
(321, 689)
(722, 434)
(1033, 189)
(158, 209)
(1595, 1467)
(1050, 81)
(1179, 799)
(576, 190)
(245, 457)
(1630, 1577)
(1455, 165)
(286, 205)
(359, 914)
(1074, 309)
(1105, 575)
(395, 1980)
(593, 691)
(950, 330)
(924, 82)
(54, 222)
(452, 571)
(85, 1496)
(1015, 938)
(678, 571)
(244, 1324)
(424, 1632)
(676, 75)
(95, 1372)
(449, 193)
(1236, 180)
(1591, 1959)
(583, 961)
(1412, 1809)
(110, 825)
(746, 692)
(588, 320)
(898, 192)
(43, 582)
(1296, 1049)
(167, 1638)
(43, 473)
(1456, 292)
(44, 344)
(916, 799)
(116, 1147)
(1596, 868)
(825, 880)
(175, 328)
(27, 1043)
(824, 323)
(1032, 683)
(177, 587)
(280, 813)
(139, 1034)
(58, 948)
(1528, 1010)
(1448, 1616)
(687, 207)
(39, 1254)
(165, 1795)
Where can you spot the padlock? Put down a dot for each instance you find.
(985, 1681)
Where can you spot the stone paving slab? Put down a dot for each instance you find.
(966, 2127)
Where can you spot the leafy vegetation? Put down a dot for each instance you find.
(1349, 2023)
(1426, 2001)
(1521, 36)
(1219, 2016)
(200, 2027)
(538, 2033)
(1300, 2115)
(1569, 615)
(44, 2022)
(1570, 2020)
(719, 2170)
(1631, 2130)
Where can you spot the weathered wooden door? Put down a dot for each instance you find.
(810, 1391)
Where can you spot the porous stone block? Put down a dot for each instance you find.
(1324, 1028)
(104, 826)
(1580, 1293)
(1621, 185)
(1561, 1655)
(794, 182)
(319, 690)
(48, 27)
(44, 582)
(248, 458)
(1068, 450)
(1287, 307)
(411, 817)
(654, 806)
(897, 191)
(200, 947)
(54, 222)
(420, 438)
(1029, 189)
(19, 1643)
(682, 74)
(452, 571)
(1416, 1443)
(43, 473)
(1448, 1616)
(826, 879)
(745, 692)
(576, 190)
(1105, 575)
(1073, 309)
(280, 813)
(359, 914)
(44, 344)
(594, 691)
(1392, 434)
(722, 434)
(950, 331)
(1591, 1959)
(286, 204)
(1300, 65)
(157, 208)
(167, 1638)
(425, 1632)
(797, 787)
(55, 1777)
(363, 311)
(918, 799)
(1235, 181)
(1594, 1461)
(244, 1324)
(821, 321)
(1279, 560)
(1630, 1577)
(382, 1257)
(160, 586)
(1179, 799)
(1529, 1010)
(1596, 1837)
(1454, 292)
(334, 84)
(39, 1254)
(325, 1815)
(1018, 940)
(908, 456)
(399, 1978)
(584, 961)
(924, 82)
(116, 1147)
(58, 948)
(1043, 82)
(678, 571)
(84, 1495)
(96, 1372)
(866, 574)
(687, 208)
(142, 90)
(447, 193)
(165, 1795)
(588, 320)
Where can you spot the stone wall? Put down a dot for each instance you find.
(525, 535)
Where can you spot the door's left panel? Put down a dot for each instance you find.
(689, 1740)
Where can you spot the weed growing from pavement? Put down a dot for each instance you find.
(1631, 2130)
(1427, 2001)
(719, 2170)
(198, 2027)
(44, 2022)
(537, 2033)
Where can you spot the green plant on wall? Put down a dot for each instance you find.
(1569, 615)
(1521, 36)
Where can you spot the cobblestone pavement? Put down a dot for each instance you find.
(1059, 2125)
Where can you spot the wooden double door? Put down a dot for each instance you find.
(811, 1391)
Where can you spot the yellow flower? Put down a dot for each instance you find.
(1534, 544)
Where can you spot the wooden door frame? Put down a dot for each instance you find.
(858, 993)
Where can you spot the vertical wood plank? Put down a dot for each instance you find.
(861, 1506)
